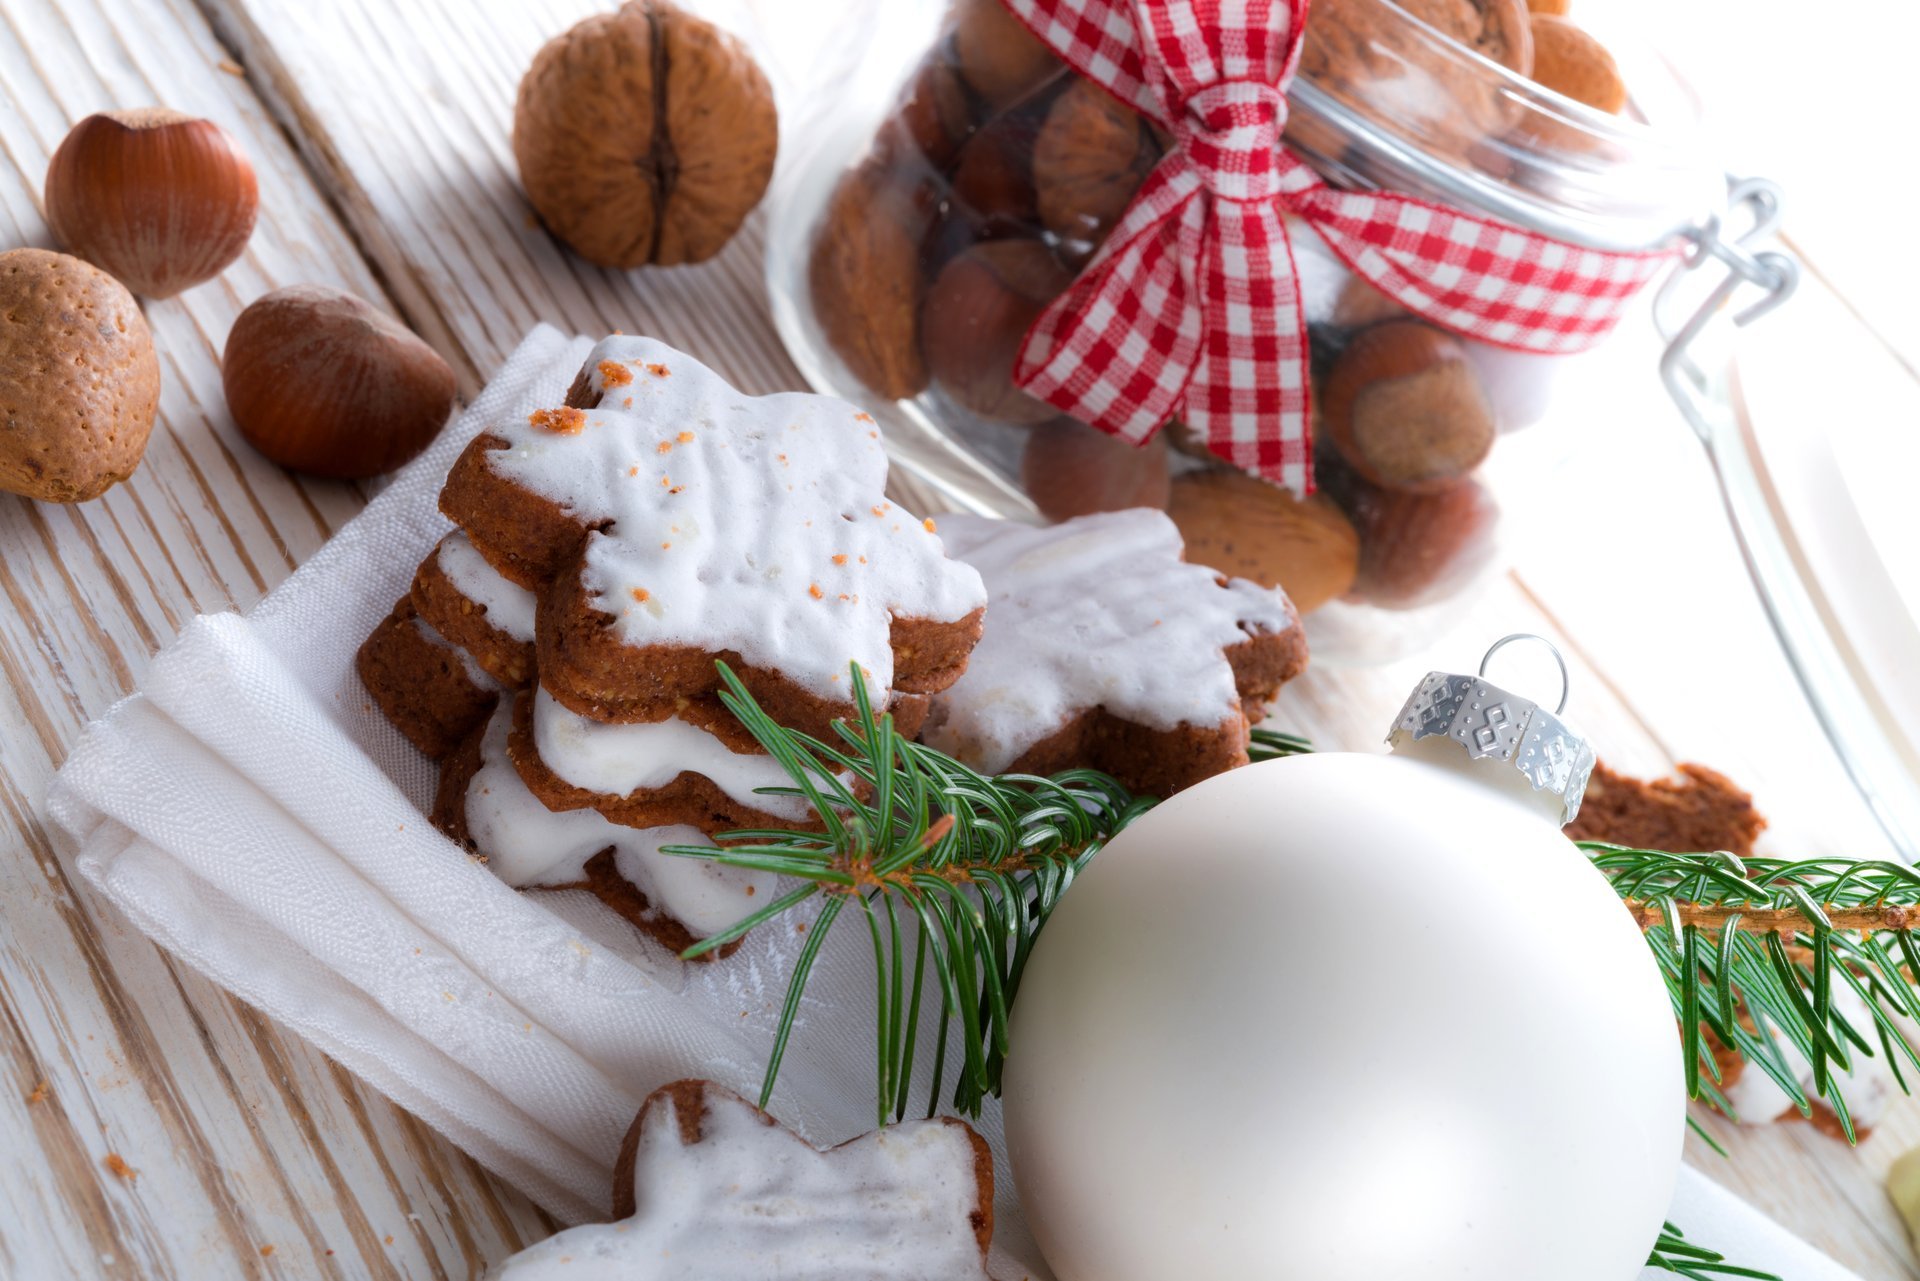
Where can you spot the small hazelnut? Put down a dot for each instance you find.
(975, 316)
(993, 177)
(645, 135)
(1092, 154)
(326, 383)
(1070, 469)
(79, 380)
(1241, 525)
(158, 199)
(1416, 549)
(863, 277)
(1405, 409)
(998, 57)
(1360, 305)
(1569, 61)
(932, 116)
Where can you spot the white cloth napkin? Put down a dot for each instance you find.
(251, 811)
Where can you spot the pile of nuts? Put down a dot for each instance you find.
(997, 177)
(644, 136)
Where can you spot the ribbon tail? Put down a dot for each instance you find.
(1250, 396)
(1117, 348)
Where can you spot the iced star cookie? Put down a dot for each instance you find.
(665, 520)
(432, 690)
(650, 773)
(470, 603)
(485, 806)
(710, 1188)
(1104, 649)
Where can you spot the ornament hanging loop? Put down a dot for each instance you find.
(1566, 681)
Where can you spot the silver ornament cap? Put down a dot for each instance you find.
(1501, 728)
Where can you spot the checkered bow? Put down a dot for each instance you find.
(1191, 306)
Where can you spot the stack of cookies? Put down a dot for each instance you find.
(558, 652)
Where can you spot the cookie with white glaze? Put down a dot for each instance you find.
(473, 605)
(650, 773)
(710, 1188)
(1104, 649)
(665, 520)
(432, 691)
(483, 805)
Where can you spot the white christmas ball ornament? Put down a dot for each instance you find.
(1346, 1017)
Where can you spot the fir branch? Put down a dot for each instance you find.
(1270, 744)
(916, 842)
(1674, 1253)
(1753, 950)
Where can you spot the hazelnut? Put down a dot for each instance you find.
(975, 316)
(158, 199)
(1092, 154)
(1569, 61)
(998, 57)
(1360, 305)
(1405, 409)
(1070, 469)
(1416, 549)
(326, 383)
(993, 178)
(1241, 525)
(79, 380)
(933, 113)
(863, 276)
(645, 135)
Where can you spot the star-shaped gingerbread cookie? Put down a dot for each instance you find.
(1104, 649)
(710, 1188)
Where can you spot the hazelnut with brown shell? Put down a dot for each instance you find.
(1070, 469)
(1404, 406)
(998, 57)
(975, 316)
(645, 135)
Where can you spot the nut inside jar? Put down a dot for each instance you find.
(996, 179)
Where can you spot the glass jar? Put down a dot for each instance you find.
(943, 196)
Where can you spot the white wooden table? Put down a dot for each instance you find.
(150, 1126)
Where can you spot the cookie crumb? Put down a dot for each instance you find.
(839, 558)
(561, 422)
(642, 595)
(658, 370)
(928, 523)
(685, 438)
(814, 591)
(117, 1164)
(1703, 809)
(40, 1093)
(614, 374)
(266, 1252)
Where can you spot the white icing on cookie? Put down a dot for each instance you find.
(1097, 612)
(509, 606)
(751, 1202)
(1868, 1089)
(622, 759)
(752, 524)
(528, 845)
(475, 673)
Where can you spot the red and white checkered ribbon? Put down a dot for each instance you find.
(1191, 306)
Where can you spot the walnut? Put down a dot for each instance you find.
(863, 275)
(644, 136)
(1091, 156)
(1367, 53)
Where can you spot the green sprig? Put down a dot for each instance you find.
(915, 842)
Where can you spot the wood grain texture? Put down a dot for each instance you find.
(393, 177)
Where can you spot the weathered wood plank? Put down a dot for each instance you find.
(246, 1152)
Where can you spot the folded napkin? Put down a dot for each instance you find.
(252, 812)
